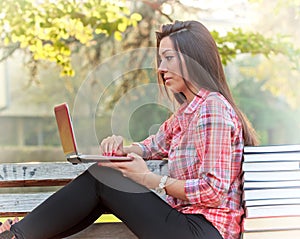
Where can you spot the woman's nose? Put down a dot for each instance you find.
(162, 67)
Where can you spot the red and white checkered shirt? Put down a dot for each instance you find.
(204, 145)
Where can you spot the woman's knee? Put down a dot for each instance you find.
(114, 179)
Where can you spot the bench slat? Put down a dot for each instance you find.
(39, 174)
(19, 204)
(34, 183)
(50, 173)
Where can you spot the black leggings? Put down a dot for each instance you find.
(101, 189)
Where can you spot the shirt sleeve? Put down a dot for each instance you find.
(157, 146)
(214, 148)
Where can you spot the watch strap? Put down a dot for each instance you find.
(162, 184)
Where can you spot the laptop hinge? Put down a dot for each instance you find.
(74, 159)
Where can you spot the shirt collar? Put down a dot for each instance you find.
(197, 100)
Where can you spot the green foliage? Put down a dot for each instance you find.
(237, 42)
(50, 30)
(271, 116)
(146, 120)
(53, 30)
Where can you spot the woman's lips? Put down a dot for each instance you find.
(167, 79)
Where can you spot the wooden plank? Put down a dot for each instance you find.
(39, 174)
(19, 204)
(34, 183)
(50, 174)
(105, 231)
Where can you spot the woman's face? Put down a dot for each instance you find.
(170, 69)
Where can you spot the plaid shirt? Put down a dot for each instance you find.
(203, 143)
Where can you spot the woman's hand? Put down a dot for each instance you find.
(7, 224)
(112, 145)
(136, 169)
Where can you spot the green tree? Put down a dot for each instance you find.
(52, 30)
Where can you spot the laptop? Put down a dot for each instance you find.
(68, 140)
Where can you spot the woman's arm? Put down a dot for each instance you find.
(134, 148)
(174, 187)
(218, 140)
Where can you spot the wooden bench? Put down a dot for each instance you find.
(23, 186)
(19, 182)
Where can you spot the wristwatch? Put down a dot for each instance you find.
(161, 186)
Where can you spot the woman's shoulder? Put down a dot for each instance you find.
(217, 99)
(216, 105)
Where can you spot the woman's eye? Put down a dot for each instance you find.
(169, 58)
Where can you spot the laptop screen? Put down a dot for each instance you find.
(65, 129)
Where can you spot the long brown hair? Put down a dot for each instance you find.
(202, 59)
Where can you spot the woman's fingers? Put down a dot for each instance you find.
(112, 145)
(104, 146)
(117, 145)
(16, 219)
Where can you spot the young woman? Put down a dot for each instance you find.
(203, 141)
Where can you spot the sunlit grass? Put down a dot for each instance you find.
(105, 218)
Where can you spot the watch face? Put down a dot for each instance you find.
(161, 191)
